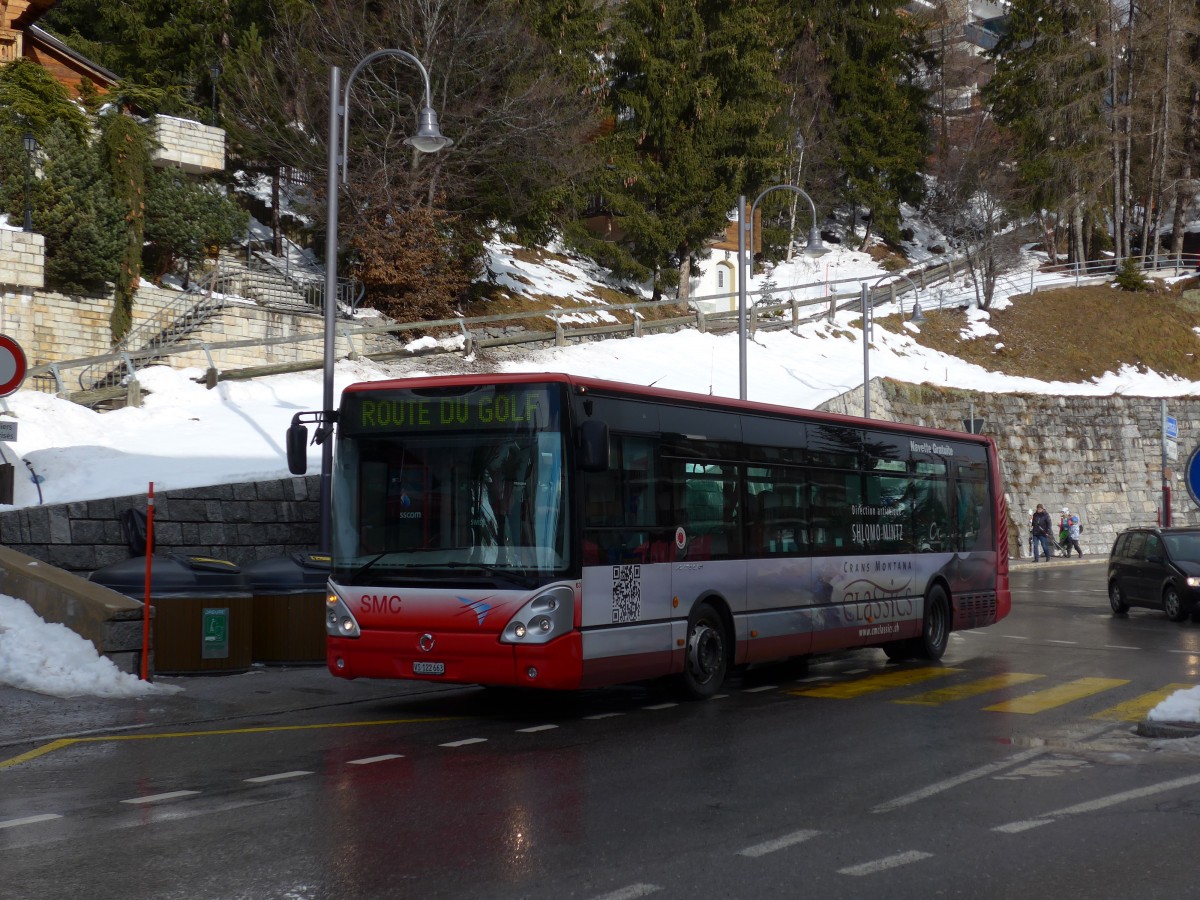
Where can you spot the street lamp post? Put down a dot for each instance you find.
(868, 321)
(214, 72)
(428, 139)
(31, 145)
(814, 249)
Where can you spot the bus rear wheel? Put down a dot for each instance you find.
(706, 657)
(935, 629)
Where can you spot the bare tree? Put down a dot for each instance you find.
(976, 190)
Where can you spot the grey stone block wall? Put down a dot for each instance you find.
(242, 522)
(1099, 456)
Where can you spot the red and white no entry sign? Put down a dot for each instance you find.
(12, 365)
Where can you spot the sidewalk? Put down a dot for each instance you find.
(1026, 562)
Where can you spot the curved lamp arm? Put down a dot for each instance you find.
(917, 315)
(815, 246)
(429, 137)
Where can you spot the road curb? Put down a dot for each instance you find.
(1146, 728)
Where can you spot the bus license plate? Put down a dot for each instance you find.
(429, 668)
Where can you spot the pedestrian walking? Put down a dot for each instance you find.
(1039, 528)
(1074, 529)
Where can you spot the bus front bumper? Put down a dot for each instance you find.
(455, 658)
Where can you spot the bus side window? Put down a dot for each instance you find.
(776, 522)
(931, 515)
(974, 520)
(710, 515)
(834, 495)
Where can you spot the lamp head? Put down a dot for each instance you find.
(917, 315)
(215, 70)
(30, 142)
(815, 246)
(429, 137)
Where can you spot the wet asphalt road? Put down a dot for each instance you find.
(1010, 770)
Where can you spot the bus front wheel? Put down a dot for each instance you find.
(706, 657)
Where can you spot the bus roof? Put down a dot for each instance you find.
(709, 401)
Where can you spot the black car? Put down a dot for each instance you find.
(1158, 568)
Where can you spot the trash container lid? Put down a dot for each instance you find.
(172, 573)
(291, 571)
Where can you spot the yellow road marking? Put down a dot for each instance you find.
(66, 742)
(34, 754)
(1057, 696)
(971, 689)
(872, 683)
(1136, 709)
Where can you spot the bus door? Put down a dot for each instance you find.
(708, 552)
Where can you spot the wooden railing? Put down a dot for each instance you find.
(768, 310)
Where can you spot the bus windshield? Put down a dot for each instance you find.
(451, 483)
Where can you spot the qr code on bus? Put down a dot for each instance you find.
(627, 593)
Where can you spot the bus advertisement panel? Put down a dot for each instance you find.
(560, 532)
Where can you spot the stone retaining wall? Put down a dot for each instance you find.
(239, 522)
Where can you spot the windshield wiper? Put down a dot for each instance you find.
(520, 576)
(370, 562)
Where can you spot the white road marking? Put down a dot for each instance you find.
(888, 862)
(1100, 803)
(631, 893)
(1062, 642)
(813, 678)
(761, 688)
(1119, 647)
(660, 706)
(855, 671)
(366, 761)
(1015, 637)
(278, 776)
(719, 697)
(938, 787)
(29, 820)
(778, 844)
(155, 798)
(1017, 827)
(534, 728)
(607, 715)
(464, 742)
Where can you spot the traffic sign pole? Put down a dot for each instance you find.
(1170, 431)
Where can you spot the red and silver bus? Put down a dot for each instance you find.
(544, 530)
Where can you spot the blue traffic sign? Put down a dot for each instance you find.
(1172, 427)
(1192, 476)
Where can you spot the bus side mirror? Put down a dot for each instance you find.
(297, 448)
(593, 446)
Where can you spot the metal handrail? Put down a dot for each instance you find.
(167, 326)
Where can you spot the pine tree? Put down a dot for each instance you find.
(184, 217)
(75, 209)
(1049, 90)
(878, 111)
(695, 101)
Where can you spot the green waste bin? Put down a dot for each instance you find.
(202, 611)
(289, 608)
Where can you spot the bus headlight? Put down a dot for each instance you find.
(542, 619)
(339, 621)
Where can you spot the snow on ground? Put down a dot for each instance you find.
(187, 436)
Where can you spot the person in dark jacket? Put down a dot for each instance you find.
(1039, 527)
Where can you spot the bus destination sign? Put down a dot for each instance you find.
(486, 410)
